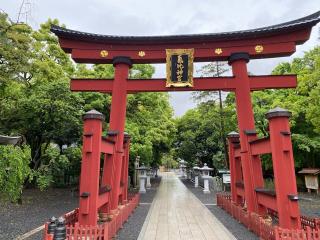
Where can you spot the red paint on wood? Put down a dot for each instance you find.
(261, 146)
(284, 174)
(124, 171)
(103, 199)
(90, 166)
(267, 201)
(107, 146)
(245, 122)
(235, 170)
(297, 37)
(200, 84)
(201, 53)
(106, 179)
(117, 123)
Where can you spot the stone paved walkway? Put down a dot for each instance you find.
(177, 214)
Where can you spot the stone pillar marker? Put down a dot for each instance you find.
(156, 172)
(196, 176)
(188, 171)
(148, 185)
(205, 176)
(135, 173)
(142, 177)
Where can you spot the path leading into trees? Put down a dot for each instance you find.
(177, 214)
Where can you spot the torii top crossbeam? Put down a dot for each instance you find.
(272, 41)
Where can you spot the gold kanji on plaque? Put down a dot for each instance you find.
(179, 67)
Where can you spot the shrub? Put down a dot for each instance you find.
(14, 170)
(58, 168)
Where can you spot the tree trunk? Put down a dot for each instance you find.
(222, 128)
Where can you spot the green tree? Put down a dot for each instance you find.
(302, 101)
(149, 121)
(38, 104)
(215, 69)
(198, 139)
(44, 110)
(15, 52)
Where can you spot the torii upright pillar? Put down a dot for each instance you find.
(252, 172)
(117, 123)
(235, 167)
(90, 166)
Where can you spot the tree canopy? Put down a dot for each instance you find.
(36, 102)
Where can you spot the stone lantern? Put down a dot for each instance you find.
(142, 176)
(182, 167)
(196, 171)
(149, 173)
(205, 170)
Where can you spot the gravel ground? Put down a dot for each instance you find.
(132, 227)
(36, 209)
(237, 229)
(309, 204)
(38, 206)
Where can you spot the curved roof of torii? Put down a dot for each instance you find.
(287, 27)
(274, 41)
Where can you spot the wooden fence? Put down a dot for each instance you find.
(104, 231)
(264, 229)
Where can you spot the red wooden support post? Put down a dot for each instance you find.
(257, 175)
(125, 168)
(246, 125)
(108, 170)
(90, 166)
(106, 180)
(235, 171)
(117, 122)
(283, 168)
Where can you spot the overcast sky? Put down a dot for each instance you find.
(147, 17)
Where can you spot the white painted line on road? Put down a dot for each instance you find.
(30, 233)
(210, 204)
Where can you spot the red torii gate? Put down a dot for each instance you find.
(235, 47)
